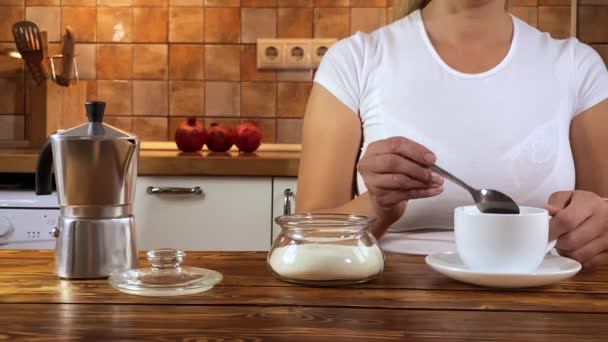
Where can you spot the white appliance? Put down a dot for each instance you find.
(27, 220)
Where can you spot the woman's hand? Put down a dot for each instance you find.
(395, 170)
(580, 224)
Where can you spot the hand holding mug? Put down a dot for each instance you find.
(580, 225)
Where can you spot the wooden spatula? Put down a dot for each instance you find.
(67, 52)
(28, 41)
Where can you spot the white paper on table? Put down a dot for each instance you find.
(422, 242)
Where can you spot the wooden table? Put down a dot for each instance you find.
(409, 302)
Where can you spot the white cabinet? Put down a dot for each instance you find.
(280, 199)
(231, 213)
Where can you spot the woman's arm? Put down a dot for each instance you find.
(330, 147)
(589, 141)
(394, 170)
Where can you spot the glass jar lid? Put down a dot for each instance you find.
(166, 277)
(326, 222)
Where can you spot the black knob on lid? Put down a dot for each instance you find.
(95, 110)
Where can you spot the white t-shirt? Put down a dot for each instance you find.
(505, 129)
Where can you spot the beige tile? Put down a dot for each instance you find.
(295, 76)
(150, 3)
(554, 2)
(79, 2)
(186, 24)
(222, 3)
(259, 99)
(186, 98)
(48, 19)
(367, 19)
(10, 67)
(42, 2)
(592, 24)
(8, 16)
(12, 100)
(528, 14)
(114, 2)
(222, 62)
(86, 58)
(555, 20)
(91, 90)
(331, 3)
(368, 3)
(72, 106)
(222, 25)
(524, 2)
(186, 62)
(186, 3)
(150, 24)
(150, 61)
(114, 61)
(258, 3)
(295, 3)
(258, 23)
(118, 96)
(249, 68)
(289, 131)
(222, 99)
(83, 20)
(12, 2)
(120, 122)
(295, 23)
(269, 130)
(292, 98)
(150, 98)
(114, 24)
(12, 127)
(332, 22)
(151, 129)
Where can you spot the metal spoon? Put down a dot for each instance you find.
(488, 201)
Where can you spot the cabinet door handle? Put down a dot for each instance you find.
(153, 190)
(288, 194)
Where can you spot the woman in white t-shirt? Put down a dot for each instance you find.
(492, 99)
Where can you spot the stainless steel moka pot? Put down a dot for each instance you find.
(95, 170)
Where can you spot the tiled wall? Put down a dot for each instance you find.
(158, 61)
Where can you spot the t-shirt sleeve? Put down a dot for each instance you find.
(341, 70)
(591, 78)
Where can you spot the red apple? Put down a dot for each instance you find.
(248, 136)
(190, 136)
(220, 138)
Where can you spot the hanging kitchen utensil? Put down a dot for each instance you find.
(68, 58)
(29, 43)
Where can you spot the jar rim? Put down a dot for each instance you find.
(324, 220)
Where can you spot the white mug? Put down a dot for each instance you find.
(502, 243)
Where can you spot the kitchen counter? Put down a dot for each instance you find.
(162, 158)
(408, 302)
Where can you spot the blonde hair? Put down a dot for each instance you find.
(403, 8)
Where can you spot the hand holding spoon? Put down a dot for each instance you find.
(488, 201)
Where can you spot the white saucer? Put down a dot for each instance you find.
(553, 269)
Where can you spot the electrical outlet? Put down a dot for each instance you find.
(318, 49)
(291, 54)
(297, 54)
(270, 54)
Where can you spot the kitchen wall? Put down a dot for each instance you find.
(158, 61)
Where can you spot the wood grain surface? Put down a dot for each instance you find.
(266, 162)
(408, 302)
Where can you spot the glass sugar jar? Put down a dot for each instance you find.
(325, 250)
